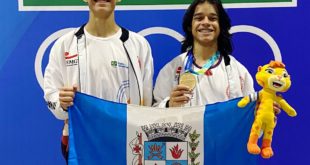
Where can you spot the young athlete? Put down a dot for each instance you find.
(209, 72)
(101, 59)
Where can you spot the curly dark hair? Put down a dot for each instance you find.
(224, 40)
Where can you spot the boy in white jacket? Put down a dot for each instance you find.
(216, 75)
(101, 59)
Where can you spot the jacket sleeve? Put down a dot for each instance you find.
(164, 85)
(247, 83)
(53, 80)
(248, 86)
(147, 68)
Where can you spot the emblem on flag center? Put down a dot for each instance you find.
(165, 144)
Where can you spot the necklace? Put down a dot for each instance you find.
(204, 68)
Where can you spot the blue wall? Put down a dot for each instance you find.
(30, 135)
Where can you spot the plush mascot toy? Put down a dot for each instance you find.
(274, 78)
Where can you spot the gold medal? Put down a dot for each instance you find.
(188, 79)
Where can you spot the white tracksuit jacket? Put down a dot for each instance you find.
(67, 67)
(226, 82)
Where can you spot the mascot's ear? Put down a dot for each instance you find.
(259, 68)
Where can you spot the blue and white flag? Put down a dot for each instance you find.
(103, 132)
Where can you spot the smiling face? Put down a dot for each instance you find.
(274, 78)
(205, 24)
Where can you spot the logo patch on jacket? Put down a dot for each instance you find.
(51, 105)
(115, 64)
(71, 59)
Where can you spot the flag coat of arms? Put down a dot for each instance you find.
(104, 132)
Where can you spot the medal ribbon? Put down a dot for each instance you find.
(205, 67)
